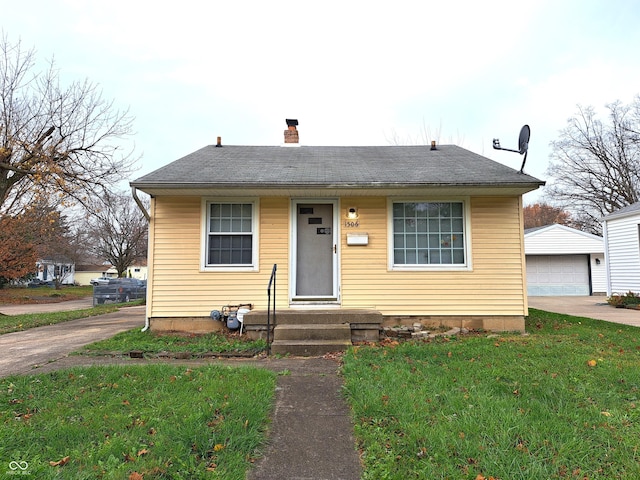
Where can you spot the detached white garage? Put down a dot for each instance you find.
(564, 261)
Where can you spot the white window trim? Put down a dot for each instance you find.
(467, 266)
(204, 234)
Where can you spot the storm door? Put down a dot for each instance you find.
(315, 245)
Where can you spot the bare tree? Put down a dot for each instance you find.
(595, 165)
(119, 230)
(55, 140)
(424, 137)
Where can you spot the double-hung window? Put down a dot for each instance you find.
(427, 234)
(230, 234)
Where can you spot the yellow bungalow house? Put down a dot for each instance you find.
(360, 236)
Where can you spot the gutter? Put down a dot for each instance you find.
(535, 183)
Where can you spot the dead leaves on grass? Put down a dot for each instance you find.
(60, 463)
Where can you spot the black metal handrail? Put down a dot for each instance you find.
(272, 281)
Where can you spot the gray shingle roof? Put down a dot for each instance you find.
(338, 167)
(624, 211)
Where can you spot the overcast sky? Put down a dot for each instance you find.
(352, 72)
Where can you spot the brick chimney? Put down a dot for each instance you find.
(291, 133)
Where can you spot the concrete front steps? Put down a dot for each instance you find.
(316, 332)
(311, 339)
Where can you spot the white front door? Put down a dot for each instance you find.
(315, 262)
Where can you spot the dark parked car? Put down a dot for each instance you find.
(119, 290)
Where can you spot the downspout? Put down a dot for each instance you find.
(134, 193)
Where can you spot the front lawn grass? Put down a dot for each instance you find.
(561, 402)
(135, 422)
(154, 343)
(10, 295)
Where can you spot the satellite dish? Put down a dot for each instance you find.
(523, 144)
(523, 139)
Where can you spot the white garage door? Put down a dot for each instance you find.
(558, 275)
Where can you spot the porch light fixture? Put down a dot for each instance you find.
(352, 213)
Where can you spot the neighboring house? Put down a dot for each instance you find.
(85, 273)
(137, 271)
(564, 261)
(62, 269)
(416, 233)
(622, 249)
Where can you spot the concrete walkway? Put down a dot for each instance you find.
(311, 437)
(590, 307)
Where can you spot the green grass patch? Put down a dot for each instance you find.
(153, 343)
(118, 421)
(561, 402)
(22, 295)
(16, 323)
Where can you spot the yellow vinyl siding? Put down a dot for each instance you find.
(180, 288)
(493, 286)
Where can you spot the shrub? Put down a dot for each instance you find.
(629, 298)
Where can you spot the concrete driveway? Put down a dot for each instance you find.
(590, 307)
(24, 351)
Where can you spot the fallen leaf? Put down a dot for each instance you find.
(136, 476)
(142, 452)
(60, 463)
(217, 447)
(606, 414)
(592, 363)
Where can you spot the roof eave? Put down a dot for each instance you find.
(161, 188)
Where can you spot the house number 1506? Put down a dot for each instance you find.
(351, 223)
